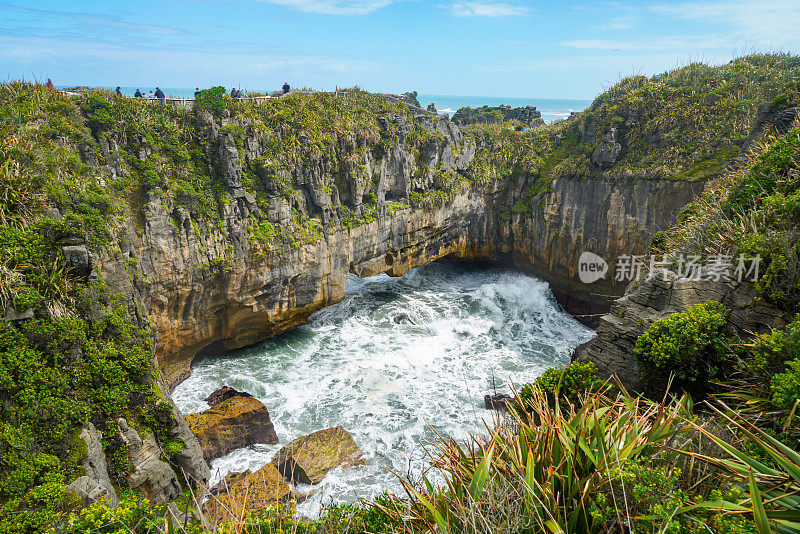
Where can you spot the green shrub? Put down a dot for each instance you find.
(98, 112)
(369, 517)
(691, 344)
(212, 100)
(786, 386)
(770, 351)
(56, 373)
(132, 516)
(570, 383)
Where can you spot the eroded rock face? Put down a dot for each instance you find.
(309, 458)
(607, 152)
(657, 297)
(244, 493)
(190, 457)
(204, 286)
(232, 424)
(150, 476)
(606, 216)
(96, 482)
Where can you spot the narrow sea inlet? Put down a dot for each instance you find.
(390, 384)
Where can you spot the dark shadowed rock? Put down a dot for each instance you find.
(498, 401)
(232, 424)
(309, 458)
(403, 318)
(78, 260)
(224, 393)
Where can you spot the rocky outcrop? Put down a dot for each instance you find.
(189, 459)
(205, 288)
(77, 258)
(150, 476)
(309, 458)
(222, 394)
(243, 493)
(527, 115)
(607, 152)
(96, 482)
(657, 297)
(232, 424)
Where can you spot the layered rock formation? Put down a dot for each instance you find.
(205, 286)
(609, 217)
(150, 476)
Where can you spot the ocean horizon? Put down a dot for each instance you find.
(552, 109)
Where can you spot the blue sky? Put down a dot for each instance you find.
(459, 47)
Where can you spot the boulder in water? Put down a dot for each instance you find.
(240, 494)
(309, 458)
(224, 393)
(232, 424)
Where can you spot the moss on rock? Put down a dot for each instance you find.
(232, 424)
(309, 458)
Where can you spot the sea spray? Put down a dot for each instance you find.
(384, 382)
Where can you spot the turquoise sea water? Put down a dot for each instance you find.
(552, 108)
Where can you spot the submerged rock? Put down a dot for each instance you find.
(240, 494)
(403, 318)
(309, 458)
(498, 401)
(232, 424)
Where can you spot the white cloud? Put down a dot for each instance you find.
(767, 22)
(666, 42)
(334, 7)
(479, 8)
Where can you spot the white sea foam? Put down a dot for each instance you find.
(386, 382)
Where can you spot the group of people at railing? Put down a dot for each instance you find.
(158, 94)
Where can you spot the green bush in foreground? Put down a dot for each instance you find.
(690, 344)
(786, 386)
(568, 383)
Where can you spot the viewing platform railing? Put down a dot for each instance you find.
(183, 102)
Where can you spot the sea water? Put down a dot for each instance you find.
(392, 386)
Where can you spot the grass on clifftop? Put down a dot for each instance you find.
(754, 211)
(685, 124)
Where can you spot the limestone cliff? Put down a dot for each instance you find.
(609, 217)
(204, 286)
